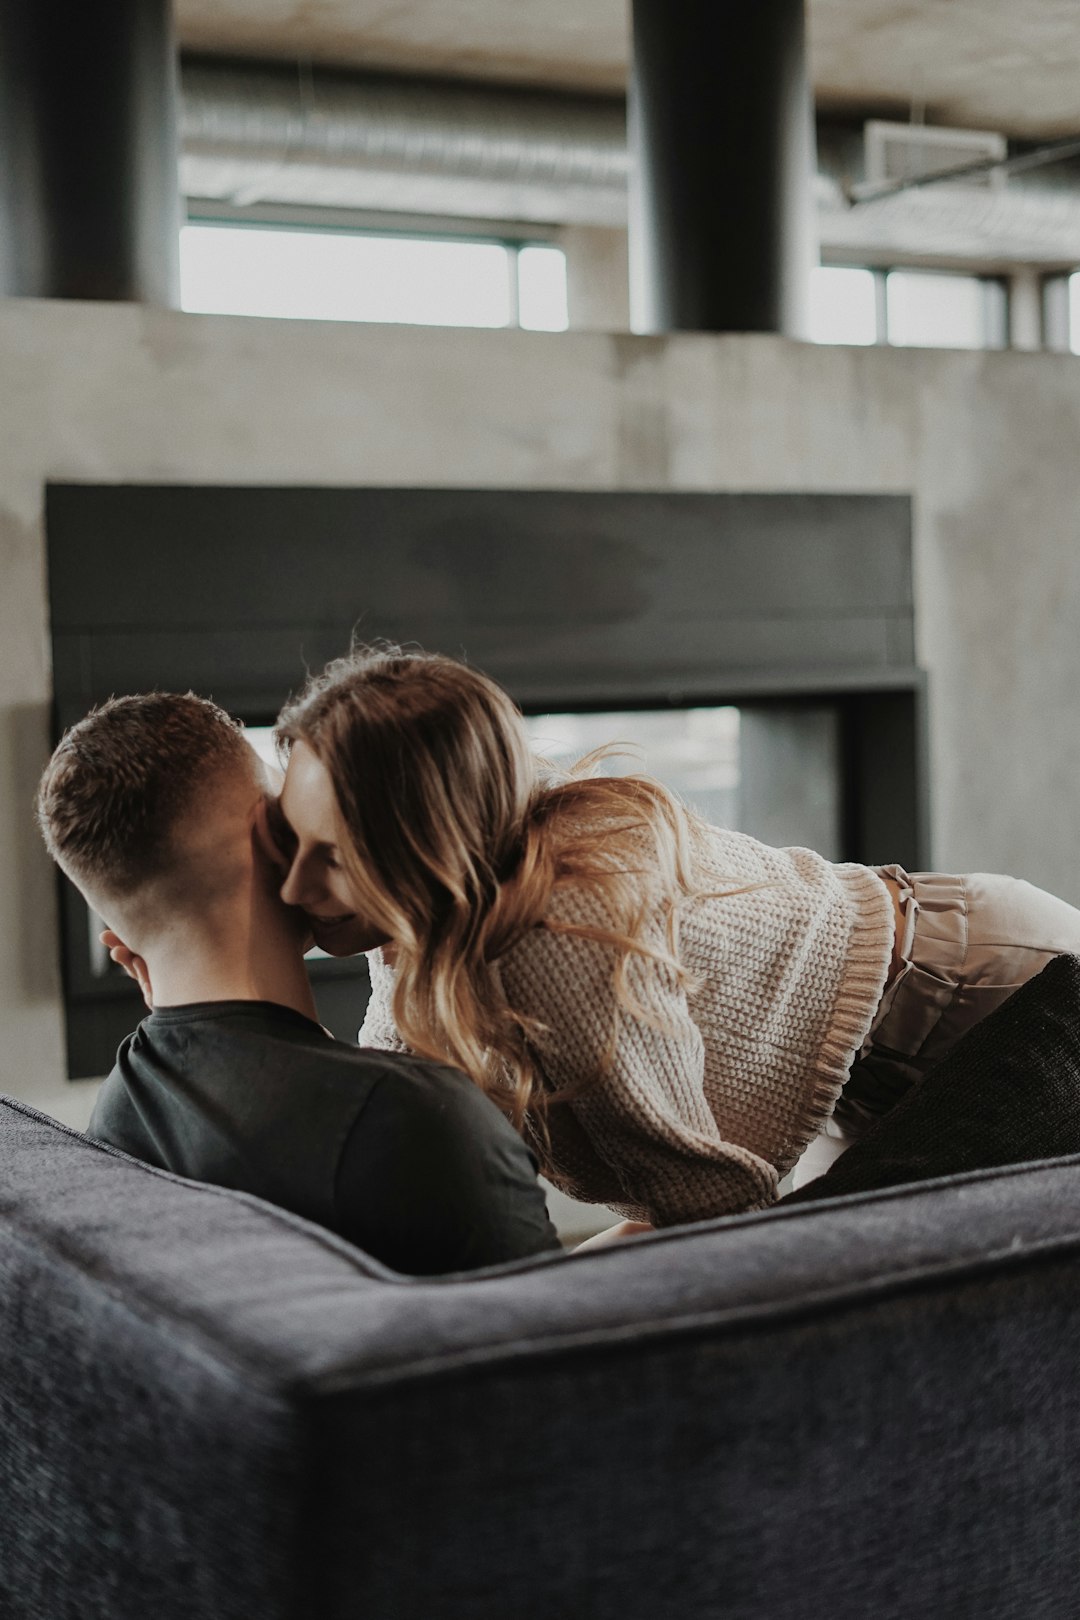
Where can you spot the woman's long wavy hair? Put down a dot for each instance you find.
(455, 838)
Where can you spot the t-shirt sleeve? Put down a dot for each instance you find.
(118, 1123)
(647, 1117)
(378, 1029)
(433, 1179)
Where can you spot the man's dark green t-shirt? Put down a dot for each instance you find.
(405, 1158)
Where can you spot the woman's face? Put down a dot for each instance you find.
(304, 825)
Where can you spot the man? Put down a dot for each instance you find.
(155, 807)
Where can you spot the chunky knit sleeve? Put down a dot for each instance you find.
(646, 1120)
(378, 1028)
(714, 1089)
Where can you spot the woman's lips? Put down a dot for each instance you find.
(328, 924)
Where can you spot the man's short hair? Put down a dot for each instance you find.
(121, 780)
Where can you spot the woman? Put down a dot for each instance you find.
(669, 1010)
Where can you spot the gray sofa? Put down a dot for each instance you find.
(855, 1407)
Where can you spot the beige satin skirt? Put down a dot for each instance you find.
(969, 942)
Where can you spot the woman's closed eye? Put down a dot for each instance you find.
(281, 834)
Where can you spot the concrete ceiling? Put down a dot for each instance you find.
(1009, 65)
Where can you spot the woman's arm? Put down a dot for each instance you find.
(647, 1118)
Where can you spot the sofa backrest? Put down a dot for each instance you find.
(210, 1409)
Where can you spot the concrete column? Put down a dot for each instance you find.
(597, 278)
(721, 145)
(1025, 310)
(89, 195)
(1056, 314)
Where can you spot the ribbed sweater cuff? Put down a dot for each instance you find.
(866, 968)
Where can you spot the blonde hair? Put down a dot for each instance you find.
(455, 838)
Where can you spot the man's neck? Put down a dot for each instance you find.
(267, 969)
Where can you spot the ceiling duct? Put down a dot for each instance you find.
(953, 224)
(320, 139)
(271, 134)
(898, 152)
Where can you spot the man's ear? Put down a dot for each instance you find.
(134, 966)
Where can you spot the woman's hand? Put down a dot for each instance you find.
(614, 1234)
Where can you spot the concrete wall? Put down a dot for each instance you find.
(988, 445)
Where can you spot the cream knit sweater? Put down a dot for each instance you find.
(703, 1116)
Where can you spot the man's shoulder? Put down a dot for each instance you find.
(116, 1119)
(420, 1089)
(416, 1085)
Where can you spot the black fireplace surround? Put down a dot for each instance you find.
(573, 599)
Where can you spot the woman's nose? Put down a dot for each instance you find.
(296, 889)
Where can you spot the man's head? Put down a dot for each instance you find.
(148, 805)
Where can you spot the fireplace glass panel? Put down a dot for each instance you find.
(771, 770)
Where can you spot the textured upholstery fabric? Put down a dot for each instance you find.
(1009, 1091)
(210, 1409)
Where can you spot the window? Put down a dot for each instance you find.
(541, 289)
(769, 769)
(843, 305)
(910, 308)
(927, 309)
(695, 752)
(341, 275)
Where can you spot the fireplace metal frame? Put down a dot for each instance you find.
(573, 599)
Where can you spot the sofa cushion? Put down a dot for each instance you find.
(210, 1410)
(1009, 1092)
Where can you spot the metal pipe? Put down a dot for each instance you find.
(314, 139)
(284, 119)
